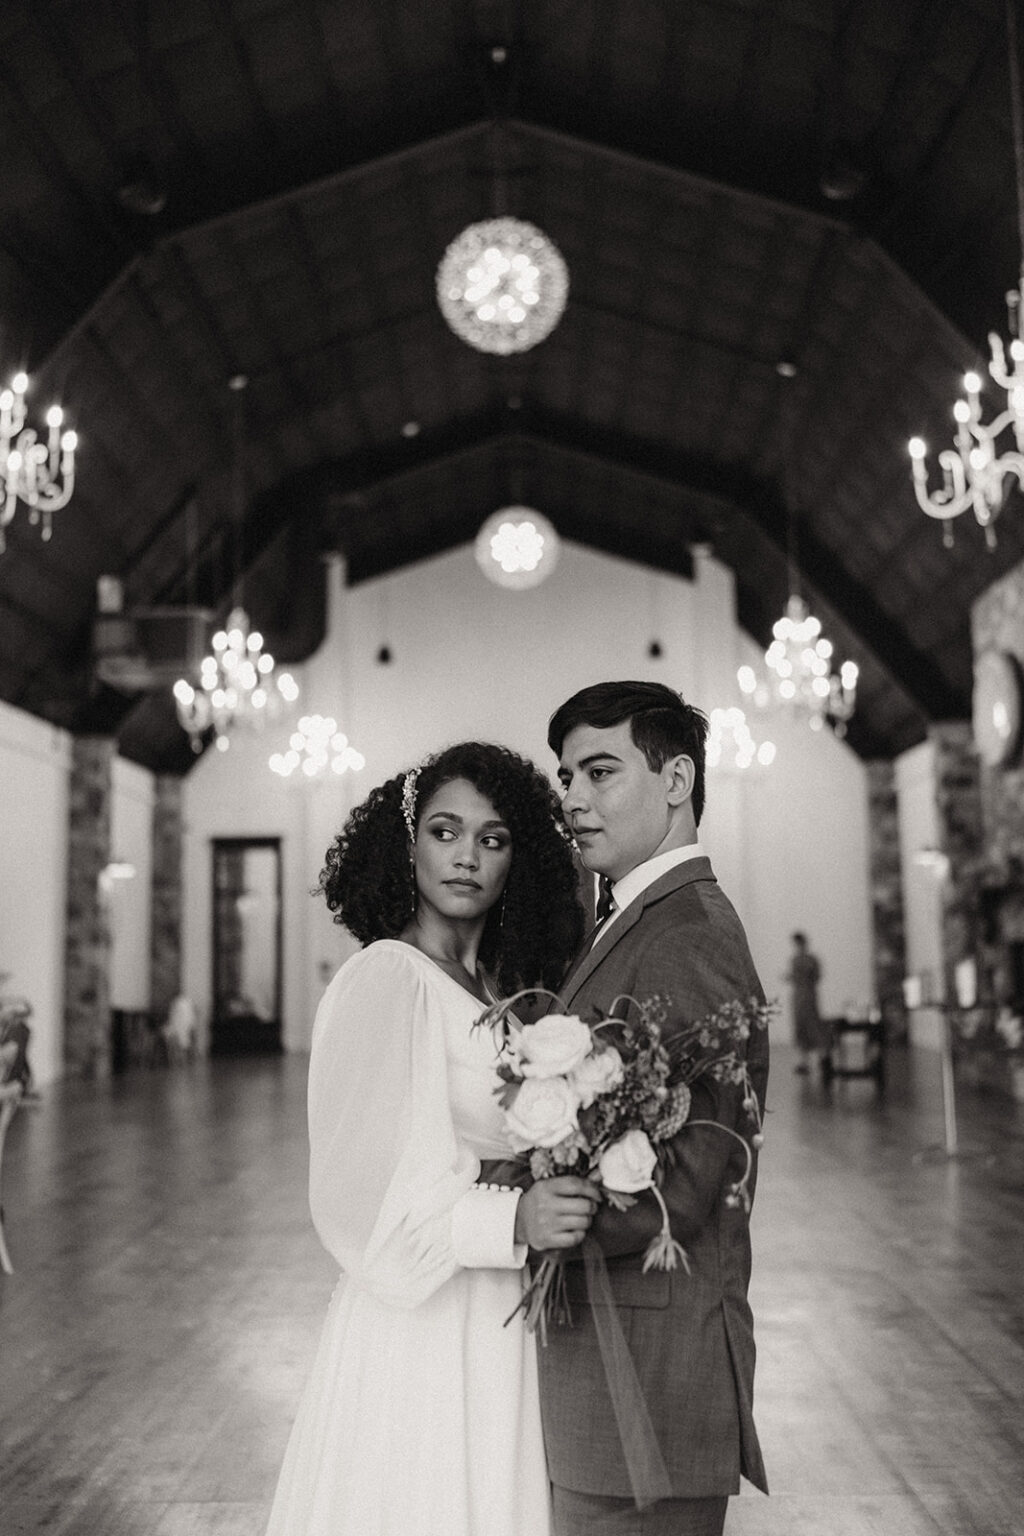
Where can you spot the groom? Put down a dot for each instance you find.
(631, 763)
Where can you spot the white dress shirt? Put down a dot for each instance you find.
(639, 878)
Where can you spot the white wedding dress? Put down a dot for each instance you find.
(421, 1416)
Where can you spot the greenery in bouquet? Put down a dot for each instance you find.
(604, 1100)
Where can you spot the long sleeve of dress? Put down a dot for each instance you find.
(391, 1186)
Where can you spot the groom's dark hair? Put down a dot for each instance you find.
(661, 724)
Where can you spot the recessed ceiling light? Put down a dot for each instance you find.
(786, 370)
(411, 429)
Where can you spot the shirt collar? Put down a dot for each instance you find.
(636, 882)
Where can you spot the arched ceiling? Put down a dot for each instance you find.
(202, 188)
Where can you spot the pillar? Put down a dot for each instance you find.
(961, 839)
(87, 1036)
(166, 922)
(889, 946)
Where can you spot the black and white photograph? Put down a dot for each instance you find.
(511, 768)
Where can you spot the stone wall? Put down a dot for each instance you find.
(87, 1045)
(961, 839)
(887, 923)
(166, 920)
(990, 892)
(997, 623)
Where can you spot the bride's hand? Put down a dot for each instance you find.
(556, 1213)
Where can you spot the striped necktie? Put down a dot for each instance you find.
(605, 900)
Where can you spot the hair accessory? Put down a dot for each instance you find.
(409, 784)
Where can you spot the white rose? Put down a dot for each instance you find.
(596, 1074)
(542, 1114)
(554, 1046)
(628, 1165)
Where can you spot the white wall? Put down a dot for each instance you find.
(807, 867)
(34, 769)
(471, 660)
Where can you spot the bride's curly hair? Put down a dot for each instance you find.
(531, 935)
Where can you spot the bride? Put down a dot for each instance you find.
(421, 1413)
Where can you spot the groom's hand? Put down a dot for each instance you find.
(555, 1213)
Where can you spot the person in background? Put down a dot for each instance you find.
(808, 1030)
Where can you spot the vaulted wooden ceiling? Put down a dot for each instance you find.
(197, 189)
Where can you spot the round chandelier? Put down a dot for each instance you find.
(517, 548)
(502, 285)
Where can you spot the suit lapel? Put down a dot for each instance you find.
(587, 962)
(589, 959)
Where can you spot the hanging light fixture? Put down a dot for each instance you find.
(974, 470)
(799, 662)
(316, 748)
(731, 745)
(517, 548)
(502, 285)
(238, 682)
(238, 685)
(42, 475)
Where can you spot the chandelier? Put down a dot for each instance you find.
(517, 548)
(238, 685)
(731, 745)
(502, 285)
(238, 682)
(42, 475)
(800, 676)
(315, 747)
(974, 470)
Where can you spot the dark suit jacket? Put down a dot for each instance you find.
(690, 1335)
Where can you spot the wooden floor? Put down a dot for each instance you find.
(168, 1294)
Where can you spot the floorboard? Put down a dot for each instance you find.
(168, 1292)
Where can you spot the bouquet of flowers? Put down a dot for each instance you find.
(604, 1100)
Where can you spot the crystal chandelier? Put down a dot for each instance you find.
(42, 475)
(502, 285)
(315, 748)
(974, 471)
(800, 676)
(731, 745)
(517, 548)
(238, 685)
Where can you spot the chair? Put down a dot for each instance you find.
(870, 1036)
